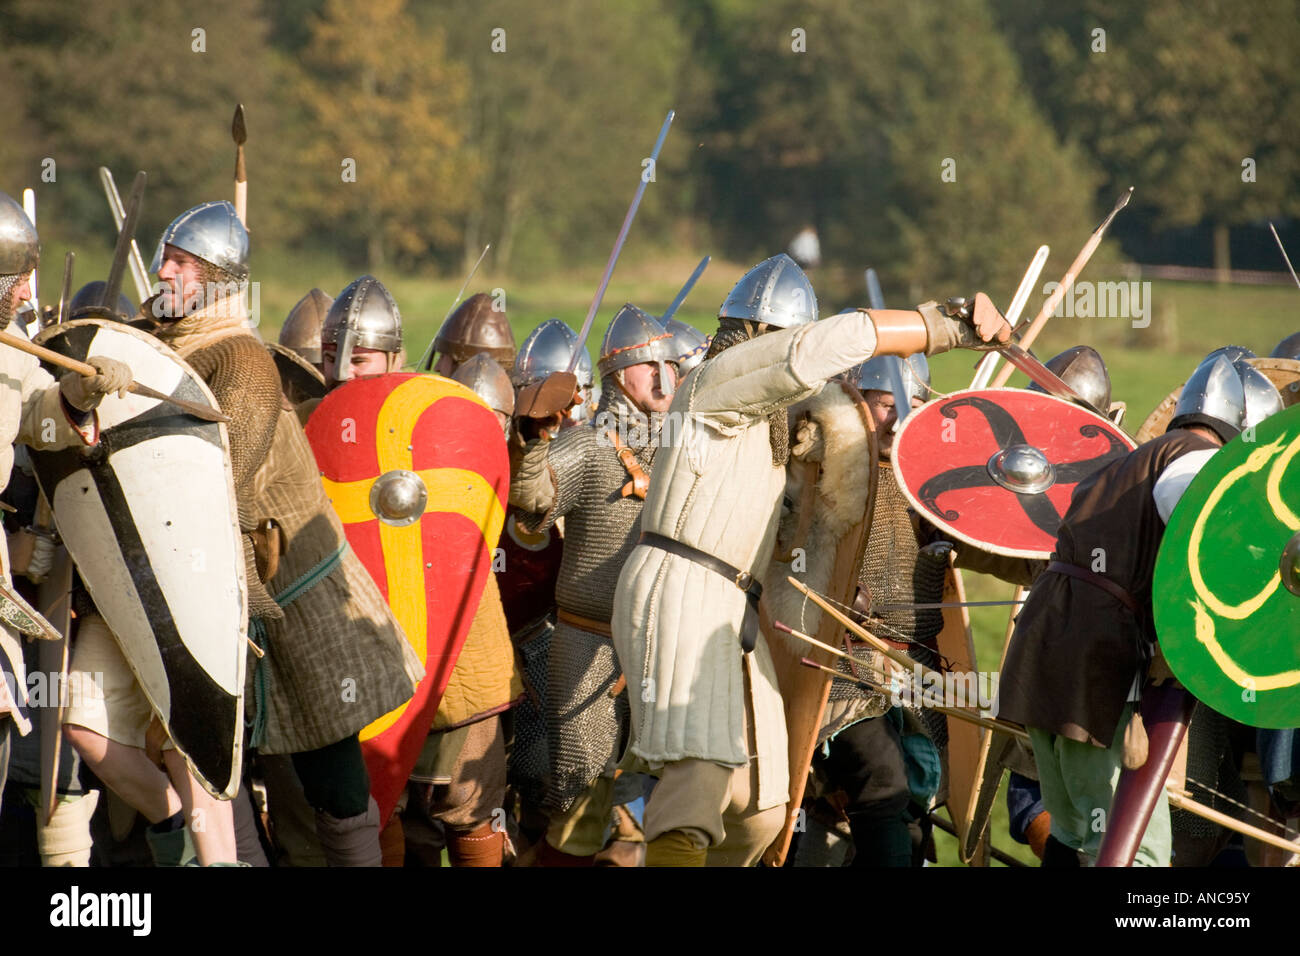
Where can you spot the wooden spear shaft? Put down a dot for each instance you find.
(1067, 282)
(205, 412)
(1182, 801)
(958, 712)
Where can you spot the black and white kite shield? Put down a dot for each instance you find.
(148, 514)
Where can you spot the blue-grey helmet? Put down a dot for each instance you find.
(548, 349)
(1233, 353)
(1262, 397)
(690, 344)
(20, 249)
(365, 314)
(1288, 348)
(878, 374)
(212, 231)
(1213, 396)
(635, 336)
(775, 292)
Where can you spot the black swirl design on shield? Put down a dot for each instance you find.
(1007, 432)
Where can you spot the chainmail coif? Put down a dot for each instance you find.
(733, 332)
(7, 284)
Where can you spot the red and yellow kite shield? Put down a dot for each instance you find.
(416, 469)
(996, 467)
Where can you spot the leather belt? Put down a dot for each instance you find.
(1096, 580)
(585, 623)
(741, 579)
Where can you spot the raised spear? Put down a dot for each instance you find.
(1067, 283)
(240, 135)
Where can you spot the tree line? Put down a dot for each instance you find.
(941, 143)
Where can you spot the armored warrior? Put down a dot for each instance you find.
(1085, 644)
(313, 610)
(41, 413)
(548, 349)
(594, 476)
(460, 778)
(476, 327)
(705, 702)
(903, 565)
(690, 343)
(301, 332)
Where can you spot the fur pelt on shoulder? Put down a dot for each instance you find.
(838, 503)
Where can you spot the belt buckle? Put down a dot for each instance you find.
(744, 580)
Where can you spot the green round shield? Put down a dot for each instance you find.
(1227, 578)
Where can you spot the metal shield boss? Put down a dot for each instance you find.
(996, 467)
(416, 469)
(149, 516)
(1227, 578)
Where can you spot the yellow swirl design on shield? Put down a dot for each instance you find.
(451, 490)
(1205, 629)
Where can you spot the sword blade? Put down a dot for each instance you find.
(138, 272)
(987, 365)
(29, 207)
(1041, 374)
(65, 297)
(426, 360)
(130, 219)
(139, 275)
(686, 290)
(1278, 239)
(618, 246)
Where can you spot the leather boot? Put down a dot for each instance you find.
(483, 846)
(353, 841)
(548, 855)
(675, 848)
(392, 843)
(1056, 853)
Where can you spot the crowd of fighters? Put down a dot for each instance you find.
(615, 702)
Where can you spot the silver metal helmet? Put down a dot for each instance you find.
(1233, 353)
(1288, 348)
(302, 328)
(1083, 369)
(775, 292)
(1262, 397)
(86, 303)
(879, 373)
(690, 344)
(482, 375)
(20, 249)
(1214, 391)
(363, 315)
(548, 349)
(212, 231)
(635, 336)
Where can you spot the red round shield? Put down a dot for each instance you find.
(996, 467)
(416, 468)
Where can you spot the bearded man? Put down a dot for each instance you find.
(320, 622)
(594, 476)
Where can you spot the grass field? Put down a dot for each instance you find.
(1187, 320)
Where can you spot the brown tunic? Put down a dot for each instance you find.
(1077, 649)
(337, 660)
